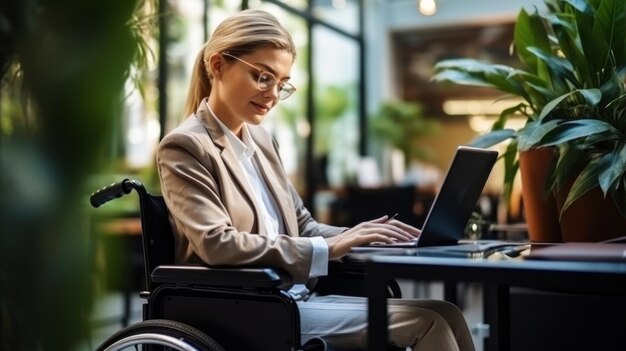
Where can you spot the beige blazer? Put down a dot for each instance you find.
(213, 211)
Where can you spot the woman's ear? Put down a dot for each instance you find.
(216, 65)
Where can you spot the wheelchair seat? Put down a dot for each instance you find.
(239, 308)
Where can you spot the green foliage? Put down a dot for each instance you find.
(403, 124)
(332, 103)
(142, 24)
(73, 57)
(573, 90)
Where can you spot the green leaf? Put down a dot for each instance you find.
(551, 105)
(614, 168)
(530, 32)
(608, 30)
(604, 137)
(571, 130)
(591, 44)
(477, 73)
(462, 78)
(570, 46)
(506, 113)
(612, 89)
(560, 69)
(560, 21)
(581, 5)
(492, 138)
(619, 196)
(534, 89)
(469, 65)
(532, 133)
(539, 96)
(511, 166)
(570, 163)
(587, 180)
(591, 96)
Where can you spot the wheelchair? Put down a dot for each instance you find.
(201, 308)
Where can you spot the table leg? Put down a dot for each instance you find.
(504, 318)
(450, 292)
(377, 309)
(496, 313)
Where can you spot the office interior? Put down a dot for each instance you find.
(357, 60)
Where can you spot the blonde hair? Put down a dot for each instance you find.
(238, 35)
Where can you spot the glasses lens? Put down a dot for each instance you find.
(285, 91)
(266, 81)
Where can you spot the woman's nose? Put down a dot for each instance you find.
(272, 92)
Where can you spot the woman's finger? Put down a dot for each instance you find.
(400, 230)
(382, 219)
(407, 228)
(388, 231)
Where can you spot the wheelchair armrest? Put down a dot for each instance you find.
(260, 278)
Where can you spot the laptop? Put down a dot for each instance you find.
(444, 226)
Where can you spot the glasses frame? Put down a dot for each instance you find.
(285, 89)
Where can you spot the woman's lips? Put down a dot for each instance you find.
(261, 108)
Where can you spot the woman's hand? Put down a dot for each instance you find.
(378, 230)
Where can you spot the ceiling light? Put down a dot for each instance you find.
(427, 7)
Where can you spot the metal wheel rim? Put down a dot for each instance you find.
(152, 339)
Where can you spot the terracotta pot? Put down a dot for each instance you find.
(591, 217)
(540, 207)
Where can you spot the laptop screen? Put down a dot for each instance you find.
(457, 198)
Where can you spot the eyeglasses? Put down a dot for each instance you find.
(267, 80)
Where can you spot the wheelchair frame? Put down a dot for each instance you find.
(179, 298)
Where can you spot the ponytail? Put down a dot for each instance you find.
(200, 86)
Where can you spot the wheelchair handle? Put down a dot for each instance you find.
(114, 191)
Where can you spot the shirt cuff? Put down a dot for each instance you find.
(319, 262)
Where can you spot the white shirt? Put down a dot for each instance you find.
(273, 224)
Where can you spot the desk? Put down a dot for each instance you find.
(580, 277)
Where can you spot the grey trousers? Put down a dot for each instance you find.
(420, 324)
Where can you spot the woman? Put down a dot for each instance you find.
(231, 202)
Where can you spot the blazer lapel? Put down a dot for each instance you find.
(228, 156)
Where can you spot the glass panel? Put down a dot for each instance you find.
(219, 10)
(343, 14)
(336, 91)
(185, 37)
(139, 125)
(297, 4)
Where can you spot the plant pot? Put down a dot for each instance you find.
(540, 207)
(590, 218)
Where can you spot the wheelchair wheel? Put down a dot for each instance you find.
(160, 334)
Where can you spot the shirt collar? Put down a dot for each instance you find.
(244, 147)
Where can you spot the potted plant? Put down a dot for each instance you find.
(573, 97)
(402, 124)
